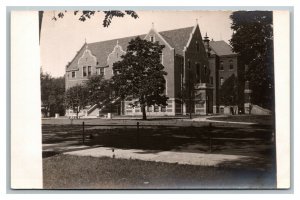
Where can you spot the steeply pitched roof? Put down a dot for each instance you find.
(177, 39)
(101, 50)
(221, 48)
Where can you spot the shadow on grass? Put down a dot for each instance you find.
(254, 141)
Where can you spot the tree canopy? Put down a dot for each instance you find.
(52, 94)
(252, 39)
(100, 90)
(109, 15)
(140, 76)
(76, 98)
(229, 92)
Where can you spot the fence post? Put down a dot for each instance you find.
(83, 134)
(138, 133)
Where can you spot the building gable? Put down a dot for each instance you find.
(113, 57)
(153, 34)
(87, 58)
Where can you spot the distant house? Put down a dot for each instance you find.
(189, 64)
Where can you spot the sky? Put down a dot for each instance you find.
(61, 39)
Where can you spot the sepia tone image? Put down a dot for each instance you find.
(157, 99)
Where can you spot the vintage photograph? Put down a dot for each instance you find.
(134, 99)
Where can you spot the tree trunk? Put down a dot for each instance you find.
(77, 112)
(143, 107)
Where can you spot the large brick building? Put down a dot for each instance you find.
(192, 64)
(223, 63)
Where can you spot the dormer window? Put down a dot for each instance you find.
(73, 74)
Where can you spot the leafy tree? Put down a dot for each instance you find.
(87, 14)
(139, 76)
(46, 82)
(229, 92)
(109, 15)
(100, 90)
(187, 95)
(52, 94)
(76, 98)
(252, 39)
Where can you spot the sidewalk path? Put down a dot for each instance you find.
(206, 119)
(188, 158)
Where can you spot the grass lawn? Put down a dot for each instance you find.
(225, 140)
(70, 172)
(259, 119)
(75, 172)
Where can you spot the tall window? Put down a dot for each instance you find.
(161, 58)
(189, 71)
(84, 71)
(152, 38)
(230, 64)
(166, 87)
(101, 71)
(197, 46)
(221, 65)
(89, 70)
(221, 81)
(198, 72)
(73, 74)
